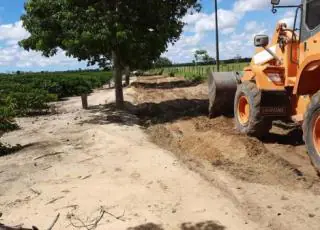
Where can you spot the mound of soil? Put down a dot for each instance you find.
(177, 120)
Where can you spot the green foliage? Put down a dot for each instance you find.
(24, 94)
(7, 125)
(202, 56)
(7, 149)
(152, 72)
(162, 62)
(171, 74)
(6, 119)
(193, 77)
(133, 33)
(200, 72)
(7, 108)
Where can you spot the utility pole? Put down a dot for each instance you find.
(217, 37)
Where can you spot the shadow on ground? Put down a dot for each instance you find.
(148, 226)
(148, 113)
(293, 138)
(109, 114)
(169, 111)
(207, 225)
(165, 85)
(288, 134)
(8, 149)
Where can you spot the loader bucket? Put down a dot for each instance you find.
(222, 89)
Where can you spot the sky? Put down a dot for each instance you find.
(239, 22)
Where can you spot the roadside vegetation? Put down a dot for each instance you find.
(197, 69)
(195, 72)
(200, 71)
(101, 32)
(30, 93)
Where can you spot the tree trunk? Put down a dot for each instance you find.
(117, 76)
(127, 73)
(84, 100)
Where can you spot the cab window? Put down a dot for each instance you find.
(313, 14)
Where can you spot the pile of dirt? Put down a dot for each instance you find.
(245, 158)
(178, 121)
(164, 85)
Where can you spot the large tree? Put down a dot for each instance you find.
(162, 62)
(202, 56)
(140, 56)
(102, 30)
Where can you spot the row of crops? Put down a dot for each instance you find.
(198, 72)
(23, 94)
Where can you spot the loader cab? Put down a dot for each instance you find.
(310, 32)
(310, 25)
(309, 49)
(293, 34)
(306, 21)
(302, 67)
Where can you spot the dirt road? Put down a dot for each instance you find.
(99, 170)
(165, 167)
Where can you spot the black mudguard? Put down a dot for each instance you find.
(275, 103)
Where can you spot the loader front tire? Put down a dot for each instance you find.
(247, 111)
(311, 130)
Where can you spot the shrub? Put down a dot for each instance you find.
(193, 77)
(6, 119)
(29, 93)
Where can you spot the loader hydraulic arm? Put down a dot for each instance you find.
(279, 62)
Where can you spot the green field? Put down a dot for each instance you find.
(28, 93)
(200, 71)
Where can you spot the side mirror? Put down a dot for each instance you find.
(261, 40)
(275, 2)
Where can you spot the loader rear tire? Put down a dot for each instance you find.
(247, 111)
(311, 130)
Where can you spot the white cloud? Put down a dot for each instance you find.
(242, 6)
(193, 18)
(13, 32)
(229, 19)
(241, 43)
(15, 56)
(288, 18)
(251, 26)
(201, 22)
(183, 49)
(198, 25)
(249, 5)
(227, 31)
(12, 56)
(236, 44)
(206, 23)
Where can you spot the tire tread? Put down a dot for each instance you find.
(258, 125)
(312, 107)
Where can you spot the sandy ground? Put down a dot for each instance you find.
(99, 170)
(271, 180)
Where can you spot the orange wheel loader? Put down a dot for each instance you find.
(282, 81)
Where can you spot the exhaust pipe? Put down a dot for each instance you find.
(222, 90)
